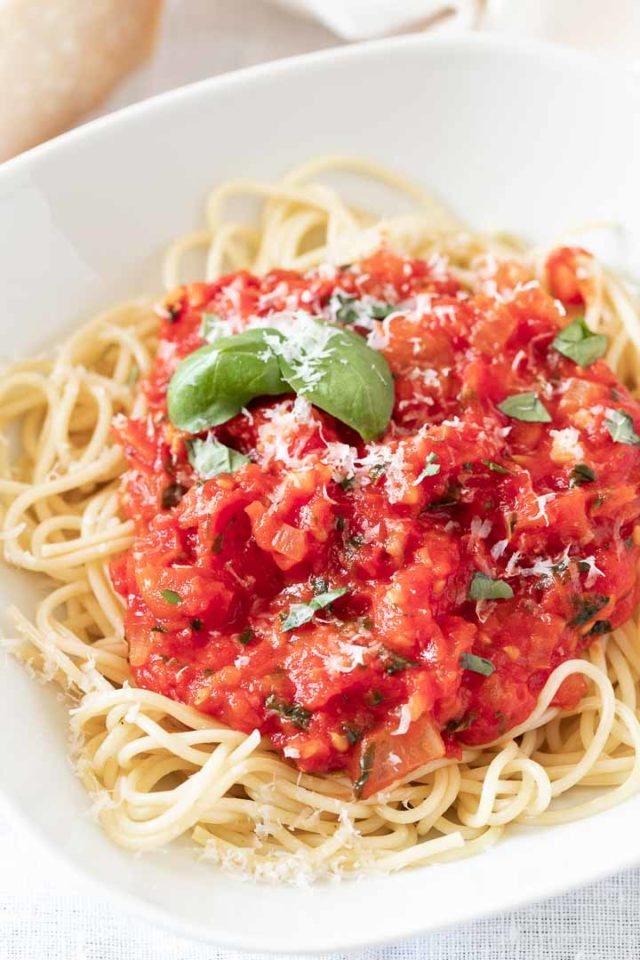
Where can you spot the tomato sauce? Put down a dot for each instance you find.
(404, 666)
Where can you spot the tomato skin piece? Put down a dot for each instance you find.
(399, 527)
(383, 757)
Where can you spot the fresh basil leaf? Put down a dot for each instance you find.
(587, 609)
(210, 457)
(170, 596)
(525, 406)
(484, 588)
(299, 716)
(582, 473)
(210, 326)
(469, 661)
(621, 427)
(214, 383)
(599, 628)
(301, 613)
(495, 467)
(431, 469)
(337, 371)
(580, 344)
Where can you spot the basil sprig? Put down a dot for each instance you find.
(301, 613)
(483, 587)
(331, 367)
(214, 383)
(580, 344)
(210, 457)
(525, 406)
(621, 427)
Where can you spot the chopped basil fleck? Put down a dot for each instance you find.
(621, 427)
(172, 495)
(210, 457)
(430, 470)
(301, 613)
(299, 716)
(351, 734)
(580, 474)
(217, 544)
(365, 766)
(171, 597)
(457, 726)
(526, 407)
(580, 344)
(246, 637)
(496, 467)
(587, 609)
(196, 623)
(600, 627)
(395, 662)
(484, 588)
(469, 661)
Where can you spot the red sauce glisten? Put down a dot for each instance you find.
(379, 683)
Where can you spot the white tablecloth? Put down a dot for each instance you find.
(45, 912)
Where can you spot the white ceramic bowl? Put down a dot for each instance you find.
(526, 138)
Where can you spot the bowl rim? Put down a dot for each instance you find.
(548, 54)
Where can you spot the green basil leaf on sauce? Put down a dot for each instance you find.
(210, 326)
(210, 457)
(580, 344)
(170, 596)
(469, 661)
(431, 469)
(484, 588)
(214, 383)
(621, 427)
(299, 716)
(495, 467)
(337, 371)
(582, 473)
(525, 406)
(301, 613)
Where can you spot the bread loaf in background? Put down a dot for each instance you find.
(60, 58)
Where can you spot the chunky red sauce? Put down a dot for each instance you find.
(381, 682)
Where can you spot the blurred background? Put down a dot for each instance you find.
(65, 61)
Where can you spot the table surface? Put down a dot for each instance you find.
(44, 910)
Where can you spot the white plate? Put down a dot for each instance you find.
(526, 138)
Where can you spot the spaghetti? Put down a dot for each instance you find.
(159, 769)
